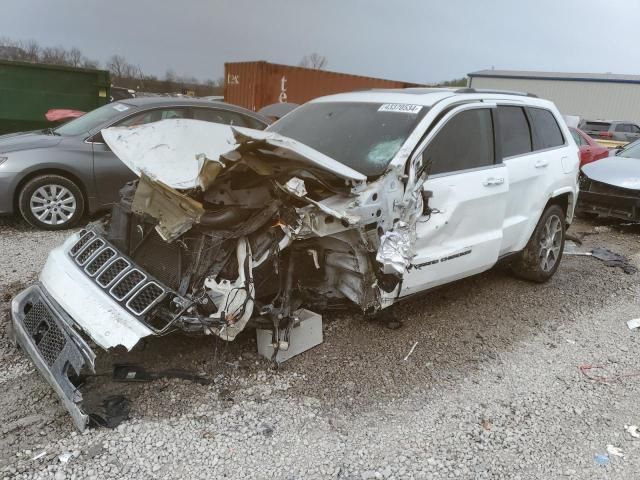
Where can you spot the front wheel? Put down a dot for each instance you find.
(51, 202)
(541, 257)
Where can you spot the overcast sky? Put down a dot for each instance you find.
(412, 40)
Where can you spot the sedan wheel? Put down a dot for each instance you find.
(51, 202)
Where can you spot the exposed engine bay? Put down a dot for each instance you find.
(263, 230)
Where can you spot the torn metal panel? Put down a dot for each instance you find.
(168, 150)
(176, 213)
(288, 148)
(395, 252)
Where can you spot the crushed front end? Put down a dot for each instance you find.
(261, 232)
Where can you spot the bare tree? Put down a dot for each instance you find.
(54, 56)
(74, 57)
(31, 50)
(315, 61)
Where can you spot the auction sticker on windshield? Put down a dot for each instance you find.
(120, 107)
(400, 108)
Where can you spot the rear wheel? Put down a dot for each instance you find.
(541, 257)
(51, 202)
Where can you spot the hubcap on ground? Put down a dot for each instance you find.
(53, 204)
(550, 243)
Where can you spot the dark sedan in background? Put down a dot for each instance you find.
(53, 177)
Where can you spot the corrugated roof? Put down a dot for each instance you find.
(559, 76)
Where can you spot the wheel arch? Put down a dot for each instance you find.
(49, 171)
(566, 201)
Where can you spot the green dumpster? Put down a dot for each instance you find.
(29, 90)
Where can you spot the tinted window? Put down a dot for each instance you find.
(363, 136)
(93, 119)
(220, 116)
(548, 133)
(634, 129)
(596, 126)
(577, 137)
(150, 116)
(513, 131)
(622, 127)
(466, 141)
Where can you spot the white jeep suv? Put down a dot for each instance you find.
(361, 198)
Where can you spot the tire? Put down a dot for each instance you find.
(51, 202)
(541, 257)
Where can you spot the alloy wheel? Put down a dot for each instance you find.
(53, 204)
(550, 243)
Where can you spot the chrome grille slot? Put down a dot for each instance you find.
(131, 287)
(89, 250)
(85, 236)
(127, 284)
(112, 272)
(145, 298)
(100, 261)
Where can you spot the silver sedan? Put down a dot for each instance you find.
(53, 177)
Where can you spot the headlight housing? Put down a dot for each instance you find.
(3, 159)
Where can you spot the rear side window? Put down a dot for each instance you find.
(548, 133)
(596, 126)
(466, 141)
(513, 131)
(577, 137)
(227, 117)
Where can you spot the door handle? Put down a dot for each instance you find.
(493, 181)
(541, 163)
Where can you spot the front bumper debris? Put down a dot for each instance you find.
(44, 332)
(609, 201)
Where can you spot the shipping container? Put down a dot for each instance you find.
(29, 90)
(254, 85)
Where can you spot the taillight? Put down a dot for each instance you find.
(606, 134)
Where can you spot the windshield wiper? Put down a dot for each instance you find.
(50, 131)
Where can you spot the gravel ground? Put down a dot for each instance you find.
(492, 390)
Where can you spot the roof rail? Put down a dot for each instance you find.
(490, 90)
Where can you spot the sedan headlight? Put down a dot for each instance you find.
(3, 159)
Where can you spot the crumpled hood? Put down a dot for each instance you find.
(617, 171)
(172, 151)
(26, 141)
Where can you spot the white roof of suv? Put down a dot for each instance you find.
(426, 96)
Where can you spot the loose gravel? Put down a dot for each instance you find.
(492, 390)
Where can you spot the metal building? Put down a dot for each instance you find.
(592, 96)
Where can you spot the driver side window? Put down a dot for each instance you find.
(466, 141)
(150, 116)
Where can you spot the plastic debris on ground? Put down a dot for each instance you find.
(39, 455)
(612, 259)
(65, 457)
(111, 412)
(601, 459)
(411, 351)
(615, 451)
(633, 324)
(632, 430)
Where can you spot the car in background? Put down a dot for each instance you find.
(590, 150)
(53, 177)
(611, 187)
(620, 132)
